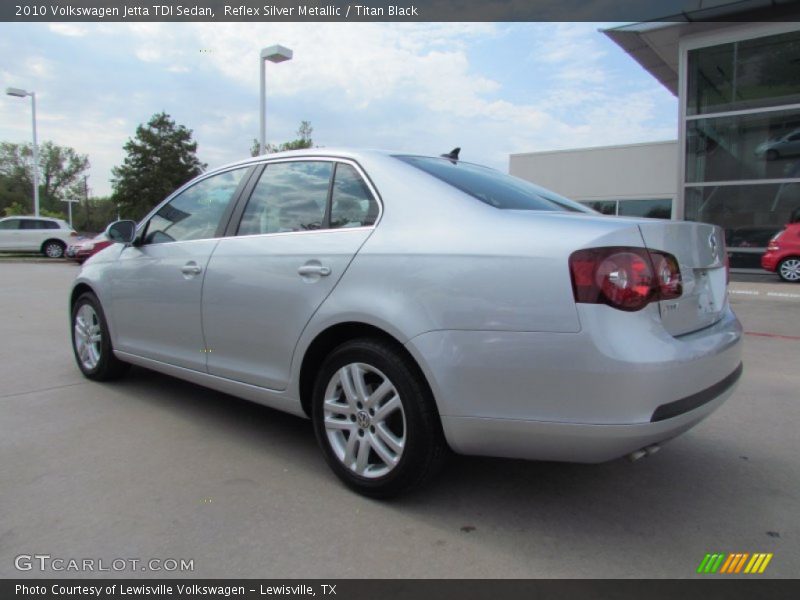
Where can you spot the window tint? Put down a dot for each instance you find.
(352, 204)
(10, 224)
(38, 224)
(289, 196)
(493, 187)
(196, 212)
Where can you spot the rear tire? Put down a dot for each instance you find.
(54, 249)
(91, 342)
(375, 419)
(789, 269)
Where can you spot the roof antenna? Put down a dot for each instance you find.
(453, 154)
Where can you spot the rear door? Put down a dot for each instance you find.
(298, 232)
(33, 234)
(700, 250)
(157, 283)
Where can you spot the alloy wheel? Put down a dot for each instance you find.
(54, 250)
(790, 269)
(364, 420)
(88, 336)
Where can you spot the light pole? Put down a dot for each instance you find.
(19, 93)
(275, 54)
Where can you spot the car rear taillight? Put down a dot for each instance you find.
(73, 234)
(773, 245)
(624, 278)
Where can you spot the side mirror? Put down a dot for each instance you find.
(122, 231)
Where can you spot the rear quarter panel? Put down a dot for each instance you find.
(442, 260)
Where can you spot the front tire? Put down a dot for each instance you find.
(91, 341)
(789, 269)
(54, 249)
(375, 419)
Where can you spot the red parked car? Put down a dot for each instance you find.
(783, 253)
(83, 249)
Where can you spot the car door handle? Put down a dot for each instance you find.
(191, 268)
(320, 270)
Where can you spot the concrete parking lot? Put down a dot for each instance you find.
(152, 467)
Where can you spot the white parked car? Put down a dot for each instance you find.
(408, 304)
(36, 234)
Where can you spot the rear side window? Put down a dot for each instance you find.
(10, 224)
(38, 224)
(352, 204)
(289, 196)
(493, 187)
(195, 213)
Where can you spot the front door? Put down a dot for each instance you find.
(157, 282)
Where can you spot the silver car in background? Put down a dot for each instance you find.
(412, 305)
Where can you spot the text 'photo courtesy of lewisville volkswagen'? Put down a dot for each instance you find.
(416, 305)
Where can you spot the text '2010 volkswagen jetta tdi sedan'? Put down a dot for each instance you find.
(409, 305)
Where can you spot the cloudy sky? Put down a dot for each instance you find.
(491, 88)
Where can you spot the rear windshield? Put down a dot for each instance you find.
(493, 187)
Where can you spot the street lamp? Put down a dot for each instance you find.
(20, 93)
(274, 54)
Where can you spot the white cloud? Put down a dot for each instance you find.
(39, 66)
(68, 29)
(417, 87)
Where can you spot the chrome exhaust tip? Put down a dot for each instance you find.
(636, 455)
(652, 449)
(646, 451)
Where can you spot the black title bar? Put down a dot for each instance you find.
(711, 588)
(258, 11)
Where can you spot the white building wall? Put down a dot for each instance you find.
(635, 171)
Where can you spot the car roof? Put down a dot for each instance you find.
(34, 217)
(335, 152)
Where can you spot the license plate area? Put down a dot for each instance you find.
(701, 304)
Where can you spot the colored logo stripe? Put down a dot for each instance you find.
(735, 562)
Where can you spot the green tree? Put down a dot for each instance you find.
(303, 141)
(160, 158)
(61, 172)
(94, 214)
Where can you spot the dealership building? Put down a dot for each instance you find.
(736, 162)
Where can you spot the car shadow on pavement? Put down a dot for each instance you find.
(692, 489)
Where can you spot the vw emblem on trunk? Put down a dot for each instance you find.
(714, 245)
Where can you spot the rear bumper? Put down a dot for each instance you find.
(569, 442)
(769, 261)
(585, 397)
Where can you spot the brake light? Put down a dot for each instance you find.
(624, 278)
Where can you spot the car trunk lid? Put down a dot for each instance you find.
(700, 251)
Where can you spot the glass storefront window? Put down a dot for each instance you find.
(747, 74)
(606, 207)
(750, 214)
(658, 208)
(754, 146)
(654, 208)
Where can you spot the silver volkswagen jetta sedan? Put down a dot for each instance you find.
(410, 305)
